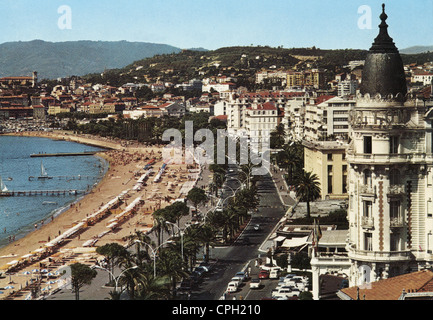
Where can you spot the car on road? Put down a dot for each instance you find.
(237, 280)
(285, 292)
(257, 227)
(274, 273)
(255, 283)
(264, 274)
(201, 269)
(242, 275)
(232, 286)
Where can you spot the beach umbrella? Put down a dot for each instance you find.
(44, 270)
(35, 270)
(1, 292)
(26, 272)
(9, 287)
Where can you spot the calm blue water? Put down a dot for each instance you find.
(18, 215)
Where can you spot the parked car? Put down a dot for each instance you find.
(237, 280)
(242, 275)
(201, 269)
(232, 286)
(285, 292)
(264, 274)
(274, 274)
(206, 266)
(255, 283)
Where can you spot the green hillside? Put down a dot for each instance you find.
(61, 59)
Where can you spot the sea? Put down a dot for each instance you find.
(20, 215)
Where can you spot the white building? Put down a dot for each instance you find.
(390, 178)
(425, 78)
(347, 88)
(390, 171)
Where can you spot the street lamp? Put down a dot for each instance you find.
(154, 251)
(181, 232)
(116, 279)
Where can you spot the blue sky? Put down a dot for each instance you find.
(212, 24)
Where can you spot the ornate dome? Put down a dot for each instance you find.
(383, 71)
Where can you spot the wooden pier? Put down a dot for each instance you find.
(67, 178)
(66, 154)
(30, 193)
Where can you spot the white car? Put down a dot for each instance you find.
(242, 275)
(285, 292)
(238, 280)
(274, 274)
(232, 286)
(255, 283)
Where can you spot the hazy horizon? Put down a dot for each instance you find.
(333, 24)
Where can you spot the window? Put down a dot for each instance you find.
(394, 210)
(330, 184)
(367, 178)
(393, 144)
(368, 145)
(395, 242)
(368, 242)
(344, 183)
(367, 209)
(394, 177)
(329, 156)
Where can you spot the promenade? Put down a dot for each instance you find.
(116, 208)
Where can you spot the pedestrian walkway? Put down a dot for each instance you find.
(287, 197)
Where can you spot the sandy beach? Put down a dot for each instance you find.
(126, 165)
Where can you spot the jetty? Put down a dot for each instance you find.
(29, 193)
(65, 154)
(67, 178)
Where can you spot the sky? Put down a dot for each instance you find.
(212, 24)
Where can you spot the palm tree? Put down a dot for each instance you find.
(291, 158)
(206, 237)
(138, 238)
(191, 245)
(170, 265)
(307, 188)
(159, 218)
(278, 137)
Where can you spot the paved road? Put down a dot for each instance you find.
(230, 259)
(247, 248)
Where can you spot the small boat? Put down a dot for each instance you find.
(4, 192)
(44, 174)
(49, 202)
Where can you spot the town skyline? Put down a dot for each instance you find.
(218, 24)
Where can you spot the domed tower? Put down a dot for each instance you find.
(390, 164)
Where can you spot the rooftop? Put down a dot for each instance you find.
(392, 288)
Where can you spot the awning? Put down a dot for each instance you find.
(294, 242)
(279, 239)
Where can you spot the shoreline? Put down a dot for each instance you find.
(124, 161)
(55, 213)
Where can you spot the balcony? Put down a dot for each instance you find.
(396, 222)
(378, 256)
(367, 222)
(396, 190)
(366, 158)
(366, 190)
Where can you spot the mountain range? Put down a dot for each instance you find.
(61, 59)
(417, 49)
